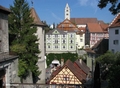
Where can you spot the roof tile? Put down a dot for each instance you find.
(37, 21)
(79, 21)
(94, 27)
(116, 21)
(66, 25)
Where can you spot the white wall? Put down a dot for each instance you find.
(80, 44)
(112, 37)
(41, 60)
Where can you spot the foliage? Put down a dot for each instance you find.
(114, 72)
(115, 5)
(65, 56)
(105, 61)
(47, 27)
(110, 68)
(23, 39)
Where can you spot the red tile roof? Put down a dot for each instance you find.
(82, 66)
(66, 25)
(37, 21)
(79, 21)
(104, 27)
(94, 27)
(115, 22)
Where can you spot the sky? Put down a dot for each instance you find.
(52, 11)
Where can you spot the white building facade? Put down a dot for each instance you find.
(59, 41)
(114, 34)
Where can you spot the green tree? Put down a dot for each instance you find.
(23, 39)
(105, 63)
(114, 71)
(47, 27)
(54, 26)
(110, 68)
(114, 5)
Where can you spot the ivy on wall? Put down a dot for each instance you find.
(52, 56)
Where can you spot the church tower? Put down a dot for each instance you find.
(67, 12)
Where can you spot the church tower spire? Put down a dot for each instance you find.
(67, 12)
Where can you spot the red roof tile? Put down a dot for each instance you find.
(79, 21)
(94, 27)
(82, 66)
(66, 25)
(116, 21)
(104, 27)
(37, 21)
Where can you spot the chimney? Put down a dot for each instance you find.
(62, 62)
(80, 60)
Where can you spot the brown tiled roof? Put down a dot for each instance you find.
(37, 20)
(94, 27)
(3, 9)
(82, 66)
(79, 21)
(66, 25)
(116, 21)
(104, 27)
(73, 68)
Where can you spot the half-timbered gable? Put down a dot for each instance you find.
(69, 73)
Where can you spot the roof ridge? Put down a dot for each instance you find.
(114, 19)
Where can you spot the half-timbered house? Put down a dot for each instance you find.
(68, 74)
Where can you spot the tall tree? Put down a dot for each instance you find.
(23, 39)
(114, 5)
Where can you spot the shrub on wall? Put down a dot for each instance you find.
(65, 56)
